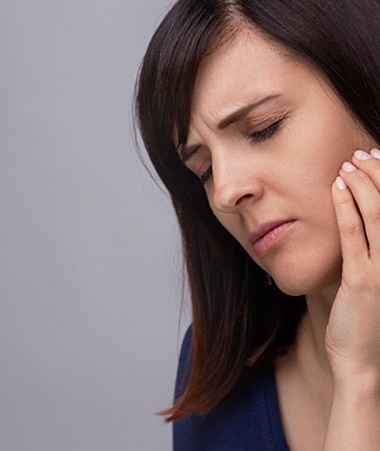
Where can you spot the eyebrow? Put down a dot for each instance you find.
(186, 152)
(237, 115)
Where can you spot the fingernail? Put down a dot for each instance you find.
(340, 183)
(375, 153)
(348, 167)
(360, 155)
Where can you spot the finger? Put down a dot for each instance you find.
(367, 198)
(352, 235)
(370, 164)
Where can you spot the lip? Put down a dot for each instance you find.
(267, 233)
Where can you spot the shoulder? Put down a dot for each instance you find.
(243, 420)
(184, 364)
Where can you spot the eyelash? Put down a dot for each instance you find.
(206, 175)
(267, 133)
(256, 137)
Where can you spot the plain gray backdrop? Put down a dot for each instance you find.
(90, 258)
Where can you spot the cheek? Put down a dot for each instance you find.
(325, 136)
(309, 274)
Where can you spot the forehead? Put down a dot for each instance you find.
(249, 63)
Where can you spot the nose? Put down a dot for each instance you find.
(234, 184)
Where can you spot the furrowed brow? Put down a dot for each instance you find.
(240, 113)
(186, 152)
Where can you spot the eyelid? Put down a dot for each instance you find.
(262, 123)
(265, 133)
(198, 162)
(187, 152)
(206, 175)
(276, 122)
(264, 130)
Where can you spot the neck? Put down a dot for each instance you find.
(307, 356)
(312, 332)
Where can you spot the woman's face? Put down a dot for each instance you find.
(275, 134)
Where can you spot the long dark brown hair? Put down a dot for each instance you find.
(239, 321)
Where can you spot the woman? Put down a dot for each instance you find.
(262, 118)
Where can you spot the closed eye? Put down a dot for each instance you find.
(206, 175)
(255, 137)
(266, 133)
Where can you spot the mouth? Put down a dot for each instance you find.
(268, 233)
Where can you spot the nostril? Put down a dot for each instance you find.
(243, 198)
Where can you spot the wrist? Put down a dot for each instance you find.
(358, 384)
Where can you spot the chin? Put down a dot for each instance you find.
(307, 286)
(295, 289)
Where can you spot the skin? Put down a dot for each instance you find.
(329, 384)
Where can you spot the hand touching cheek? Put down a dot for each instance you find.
(353, 333)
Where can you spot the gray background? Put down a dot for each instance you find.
(90, 263)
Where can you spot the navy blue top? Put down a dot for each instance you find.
(247, 419)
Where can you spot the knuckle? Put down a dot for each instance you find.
(358, 176)
(345, 200)
(351, 230)
(367, 168)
